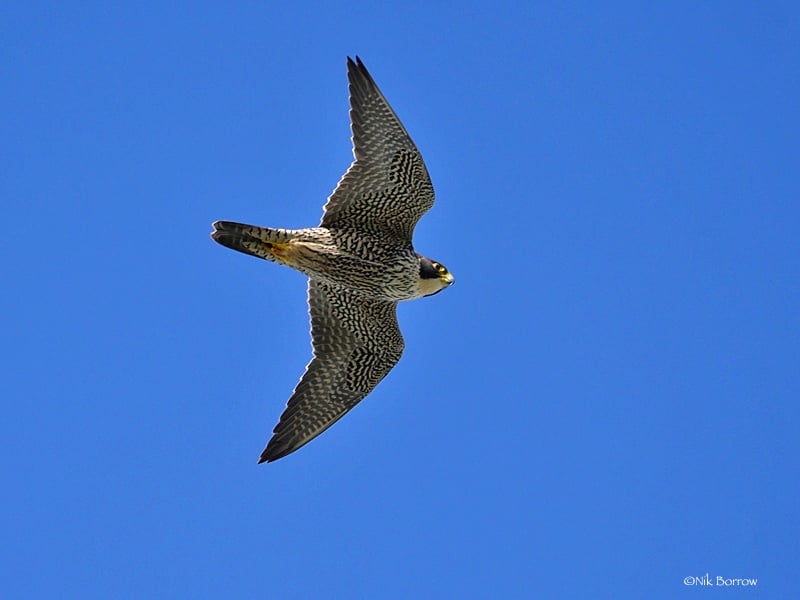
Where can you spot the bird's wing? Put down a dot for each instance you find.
(387, 188)
(356, 342)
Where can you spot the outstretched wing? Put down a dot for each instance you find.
(356, 342)
(387, 189)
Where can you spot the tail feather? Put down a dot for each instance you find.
(249, 239)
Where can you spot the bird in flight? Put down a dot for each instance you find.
(360, 263)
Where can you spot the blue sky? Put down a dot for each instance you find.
(605, 403)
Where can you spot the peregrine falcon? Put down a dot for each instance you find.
(360, 262)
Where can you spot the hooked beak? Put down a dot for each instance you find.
(448, 279)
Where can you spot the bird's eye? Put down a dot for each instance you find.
(441, 268)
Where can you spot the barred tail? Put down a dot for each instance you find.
(250, 239)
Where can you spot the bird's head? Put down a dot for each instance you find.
(433, 277)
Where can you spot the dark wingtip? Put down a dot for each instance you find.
(358, 66)
(275, 450)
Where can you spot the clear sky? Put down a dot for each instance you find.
(604, 405)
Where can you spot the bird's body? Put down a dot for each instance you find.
(360, 262)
